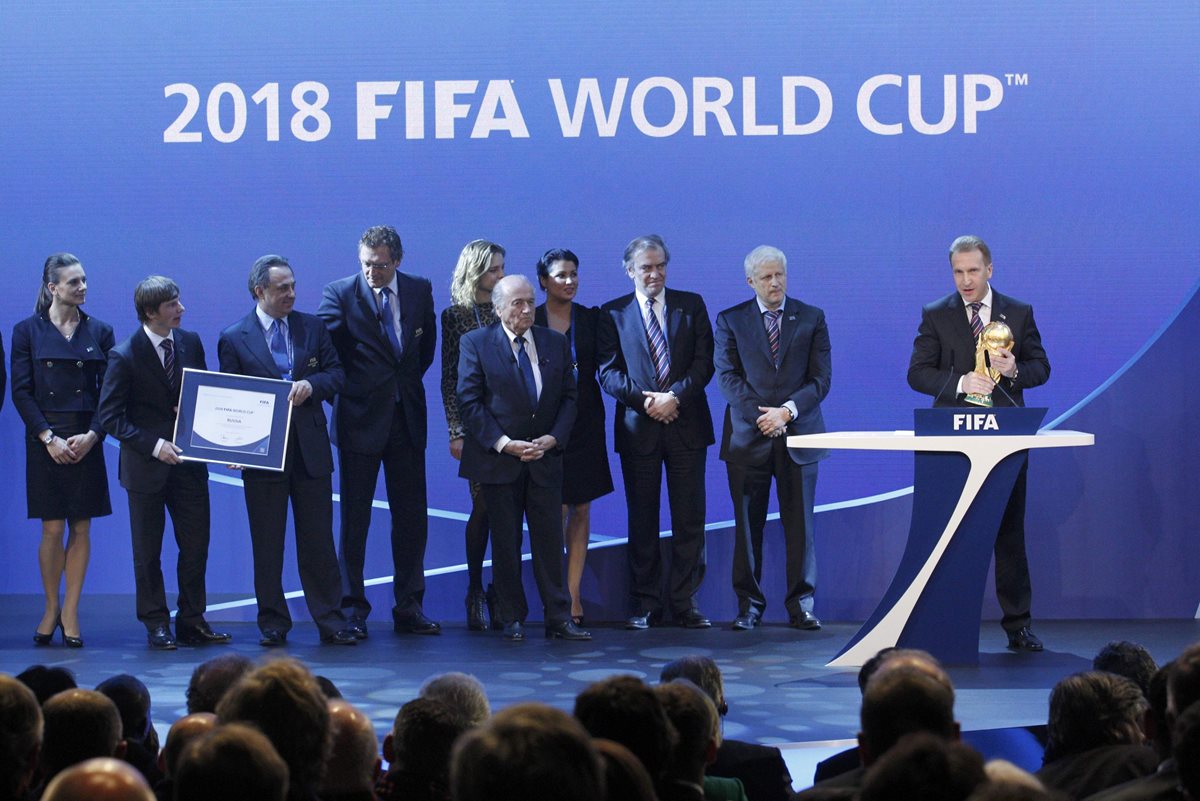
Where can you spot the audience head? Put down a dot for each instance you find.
(899, 700)
(422, 740)
(99, 779)
(353, 763)
(480, 265)
(1001, 771)
(1090, 710)
(924, 767)
(1183, 685)
(871, 665)
(80, 725)
(283, 700)
(183, 731)
(132, 700)
(46, 681)
(233, 762)
(211, 679)
(462, 693)
(1187, 749)
(701, 671)
(527, 751)
(626, 709)
(20, 737)
(328, 688)
(912, 659)
(625, 778)
(698, 725)
(1127, 659)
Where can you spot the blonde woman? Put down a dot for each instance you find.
(480, 266)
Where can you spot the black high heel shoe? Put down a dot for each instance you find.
(70, 642)
(477, 619)
(42, 640)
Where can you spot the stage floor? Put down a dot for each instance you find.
(778, 688)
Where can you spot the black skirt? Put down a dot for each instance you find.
(66, 491)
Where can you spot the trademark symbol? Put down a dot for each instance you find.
(1017, 78)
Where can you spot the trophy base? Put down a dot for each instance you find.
(978, 400)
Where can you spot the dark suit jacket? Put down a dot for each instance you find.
(242, 349)
(1162, 785)
(749, 379)
(493, 402)
(375, 379)
(760, 768)
(945, 349)
(626, 369)
(49, 375)
(137, 405)
(1093, 771)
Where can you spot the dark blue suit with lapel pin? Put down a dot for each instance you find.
(749, 378)
(306, 478)
(494, 402)
(379, 418)
(646, 445)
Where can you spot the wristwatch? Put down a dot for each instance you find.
(46, 440)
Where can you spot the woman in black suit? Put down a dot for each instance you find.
(585, 462)
(58, 360)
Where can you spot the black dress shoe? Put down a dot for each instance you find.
(805, 620)
(514, 631)
(745, 622)
(639, 622)
(567, 630)
(1023, 639)
(693, 619)
(200, 634)
(343, 637)
(272, 638)
(476, 610)
(358, 627)
(416, 623)
(160, 638)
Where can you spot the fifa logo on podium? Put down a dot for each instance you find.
(976, 422)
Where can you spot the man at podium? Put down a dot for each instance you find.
(943, 365)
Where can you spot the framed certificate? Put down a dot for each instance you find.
(233, 419)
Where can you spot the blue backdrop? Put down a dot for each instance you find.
(860, 138)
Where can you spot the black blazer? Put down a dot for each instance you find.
(945, 349)
(375, 379)
(748, 377)
(138, 405)
(626, 369)
(50, 374)
(493, 402)
(242, 349)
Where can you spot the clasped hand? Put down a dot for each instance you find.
(773, 420)
(528, 451)
(661, 406)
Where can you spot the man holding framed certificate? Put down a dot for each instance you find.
(275, 341)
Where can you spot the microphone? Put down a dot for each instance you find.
(945, 383)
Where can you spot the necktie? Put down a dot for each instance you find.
(279, 349)
(388, 321)
(658, 347)
(773, 332)
(976, 323)
(168, 359)
(526, 368)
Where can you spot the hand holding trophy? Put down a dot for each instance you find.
(994, 337)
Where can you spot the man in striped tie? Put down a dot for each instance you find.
(943, 364)
(654, 347)
(774, 368)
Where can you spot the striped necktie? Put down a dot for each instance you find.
(168, 350)
(976, 323)
(658, 348)
(772, 316)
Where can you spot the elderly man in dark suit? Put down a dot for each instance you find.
(516, 396)
(942, 365)
(275, 341)
(138, 405)
(774, 368)
(655, 351)
(384, 329)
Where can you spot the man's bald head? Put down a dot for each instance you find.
(183, 731)
(353, 763)
(101, 779)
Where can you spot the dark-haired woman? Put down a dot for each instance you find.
(586, 475)
(58, 360)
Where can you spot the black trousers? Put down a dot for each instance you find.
(643, 474)
(541, 508)
(185, 496)
(267, 495)
(1013, 588)
(404, 479)
(750, 490)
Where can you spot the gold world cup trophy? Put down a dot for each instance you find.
(995, 335)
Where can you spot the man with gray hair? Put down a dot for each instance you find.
(654, 348)
(774, 368)
(20, 738)
(516, 396)
(462, 692)
(276, 341)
